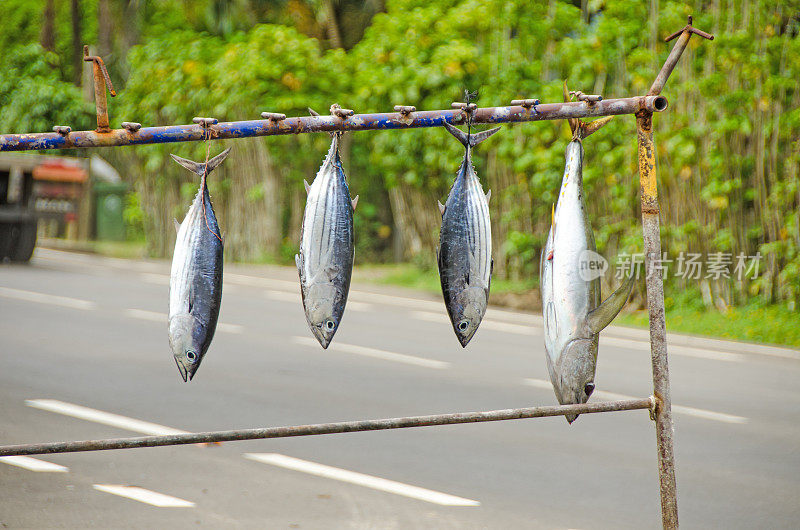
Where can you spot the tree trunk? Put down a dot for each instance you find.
(332, 25)
(77, 43)
(103, 29)
(48, 35)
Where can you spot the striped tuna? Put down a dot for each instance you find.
(195, 284)
(327, 247)
(465, 244)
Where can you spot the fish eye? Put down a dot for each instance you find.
(329, 325)
(588, 388)
(462, 326)
(191, 356)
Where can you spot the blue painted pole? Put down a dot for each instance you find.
(132, 135)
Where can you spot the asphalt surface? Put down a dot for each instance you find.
(91, 331)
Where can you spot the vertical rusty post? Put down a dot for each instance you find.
(658, 328)
(655, 281)
(100, 78)
(100, 98)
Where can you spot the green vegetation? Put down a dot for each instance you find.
(728, 155)
(774, 324)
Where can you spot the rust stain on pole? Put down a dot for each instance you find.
(325, 428)
(658, 328)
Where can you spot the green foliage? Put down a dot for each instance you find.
(32, 95)
(727, 149)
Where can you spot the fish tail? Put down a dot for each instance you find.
(202, 168)
(469, 140)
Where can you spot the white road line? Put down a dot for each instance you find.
(375, 353)
(368, 481)
(42, 298)
(33, 464)
(98, 416)
(255, 281)
(295, 298)
(158, 279)
(684, 351)
(283, 296)
(678, 409)
(507, 327)
(145, 496)
(155, 316)
(494, 325)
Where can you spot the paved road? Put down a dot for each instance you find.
(79, 330)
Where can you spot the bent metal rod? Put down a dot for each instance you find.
(326, 428)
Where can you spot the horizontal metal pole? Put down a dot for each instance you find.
(309, 124)
(323, 428)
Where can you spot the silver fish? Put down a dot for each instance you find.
(327, 248)
(573, 314)
(465, 244)
(195, 284)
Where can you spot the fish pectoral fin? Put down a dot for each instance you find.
(442, 207)
(306, 184)
(332, 271)
(177, 225)
(602, 315)
(354, 202)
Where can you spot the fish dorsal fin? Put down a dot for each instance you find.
(354, 202)
(602, 315)
(177, 225)
(307, 185)
(442, 207)
(488, 196)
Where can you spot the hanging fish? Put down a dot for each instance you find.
(195, 284)
(465, 244)
(327, 247)
(573, 314)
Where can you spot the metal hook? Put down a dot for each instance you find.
(273, 116)
(205, 123)
(101, 81)
(404, 109)
(688, 27)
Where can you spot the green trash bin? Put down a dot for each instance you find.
(109, 203)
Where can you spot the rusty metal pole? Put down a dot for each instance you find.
(326, 428)
(100, 78)
(655, 282)
(658, 327)
(100, 99)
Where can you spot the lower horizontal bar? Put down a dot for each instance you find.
(309, 124)
(323, 428)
